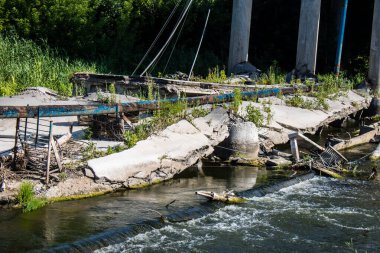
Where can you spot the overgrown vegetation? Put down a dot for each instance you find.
(27, 199)
(215, 75)
(254, 115)
(24, 64)
(274, 75)
(169, 113)
(237, 101)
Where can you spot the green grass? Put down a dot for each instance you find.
(24, 64)
(27, 199)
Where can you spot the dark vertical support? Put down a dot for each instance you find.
(26, 127)
(26, 123)
(16, 142)
(342, 28)
(38, 126)
(49, 152)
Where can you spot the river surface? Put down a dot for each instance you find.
(319, 215)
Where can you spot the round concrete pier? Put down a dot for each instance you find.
(244, 140)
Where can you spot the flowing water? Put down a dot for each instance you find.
(318, 215)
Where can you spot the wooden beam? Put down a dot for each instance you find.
(56, 153)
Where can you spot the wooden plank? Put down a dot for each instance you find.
(56, 153)
(298, 135)
(329, 172)
(361, 139)
(64, 139)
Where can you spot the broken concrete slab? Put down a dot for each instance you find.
(162, 156)
(285, 118)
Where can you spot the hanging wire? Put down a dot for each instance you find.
(158, 36)
(200, 44)
(170, 37)
(184, 12)
(175, 43)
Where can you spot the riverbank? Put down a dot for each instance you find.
(176, 148)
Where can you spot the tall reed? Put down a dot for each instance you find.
(25, 64)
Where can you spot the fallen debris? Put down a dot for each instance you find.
(226, 196)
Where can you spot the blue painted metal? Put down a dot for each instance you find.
(98, 109)
(342, 29)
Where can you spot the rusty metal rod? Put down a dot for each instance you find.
(99, 109)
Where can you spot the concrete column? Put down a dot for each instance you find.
(240, 32)
(308, 35)
(374, 58)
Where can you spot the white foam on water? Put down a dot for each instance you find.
(255, 221)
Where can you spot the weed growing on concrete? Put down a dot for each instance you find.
(88, 133)
(199, 112)
(274, 75)
(91, 152)
(237, 101)
(215, 75)
(254, 115)
(27, 199)
(269, 113)
(62, 176)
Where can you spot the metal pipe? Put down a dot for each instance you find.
(38, 126)
(342, 29)
(101, 109)
(49, 152)
(15, 147)
(26, 125)
(200, 44)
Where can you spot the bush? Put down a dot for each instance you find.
(25, 193)
(254, 115)
(27, 199)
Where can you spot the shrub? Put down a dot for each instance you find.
(27, 199)
(254, 115)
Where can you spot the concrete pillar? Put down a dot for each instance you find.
(374, 58)
(308, 35)
(240, 32)
(244, 140)
(294, 148)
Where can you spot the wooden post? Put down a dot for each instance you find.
(56, 154)
(308, 35)
(16, 142)
(240, 32)
(374, 59)
(49, 152)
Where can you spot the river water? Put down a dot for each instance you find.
(319, 215)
